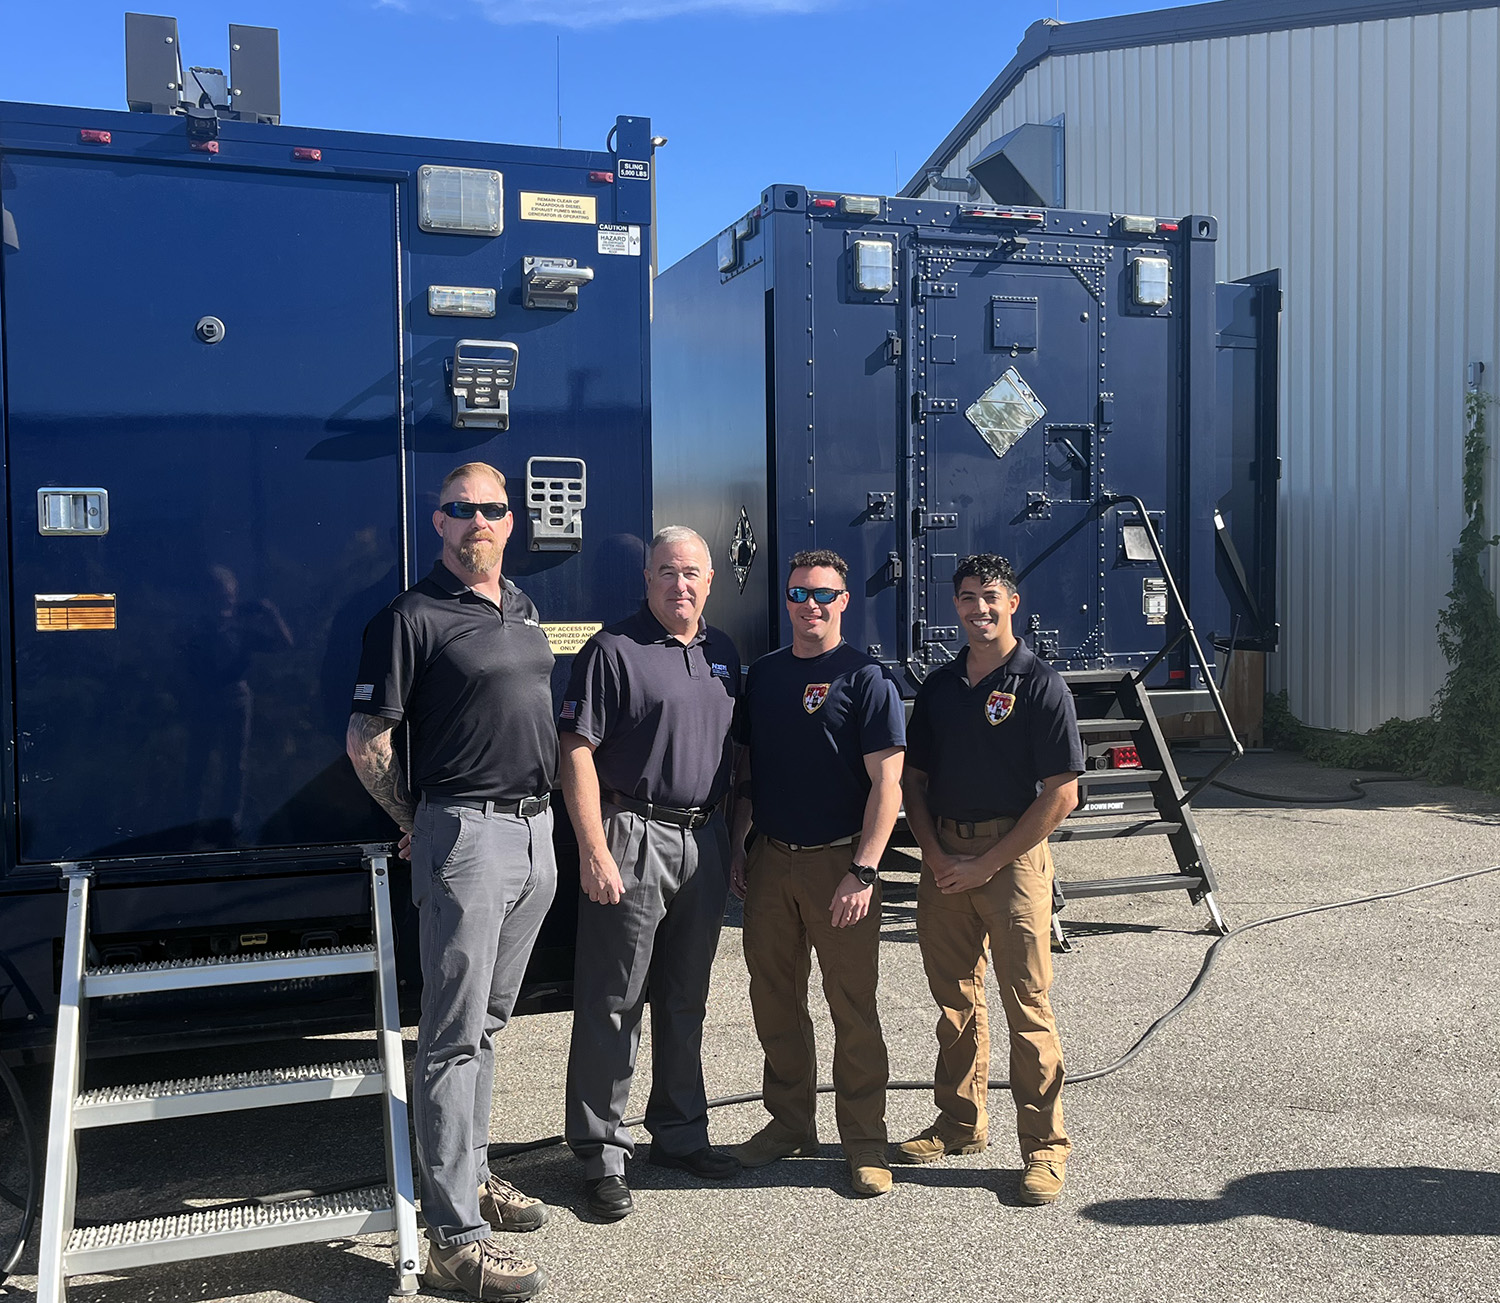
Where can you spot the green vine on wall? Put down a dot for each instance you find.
(1460, 741)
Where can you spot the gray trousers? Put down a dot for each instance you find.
(483, 883)
(662, 935)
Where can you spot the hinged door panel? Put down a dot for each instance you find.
(219, 360)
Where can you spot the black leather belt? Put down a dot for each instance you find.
(822, 846)
(969, 829)
(527, 807)
(678, 818)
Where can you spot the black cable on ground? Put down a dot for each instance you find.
(33, 1174)
(1358, 784)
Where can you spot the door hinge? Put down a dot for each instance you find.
(922, 405)
(922, 521)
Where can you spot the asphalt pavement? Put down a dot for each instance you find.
(1321, 1124)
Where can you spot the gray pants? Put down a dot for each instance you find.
(483, 883)
(663, 933)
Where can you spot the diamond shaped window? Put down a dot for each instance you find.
(1005, 411)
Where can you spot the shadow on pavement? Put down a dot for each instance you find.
(1359, 1200)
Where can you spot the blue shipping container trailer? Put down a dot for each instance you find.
(907, 382)
(238, 359)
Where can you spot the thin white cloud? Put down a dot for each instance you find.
(602, 13)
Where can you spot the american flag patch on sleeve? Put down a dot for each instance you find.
(364, 692)
(569, 710)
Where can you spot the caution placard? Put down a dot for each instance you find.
(568, 639)
(538, 206)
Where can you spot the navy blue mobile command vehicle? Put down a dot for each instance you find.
(908, 381)
(238, 359)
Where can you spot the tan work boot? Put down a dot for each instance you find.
(869, 1175)
(1042, 1181)
(929, 1146)
(482, 1270)
(771, 1142)
(507, 1209)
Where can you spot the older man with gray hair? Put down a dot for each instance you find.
(646, 753)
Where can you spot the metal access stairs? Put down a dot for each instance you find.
(66, 1250)
(1115, 708)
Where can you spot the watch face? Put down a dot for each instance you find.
(866, 874)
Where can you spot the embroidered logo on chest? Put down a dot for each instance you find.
(719, 671)
(813, 696)
(997, 709)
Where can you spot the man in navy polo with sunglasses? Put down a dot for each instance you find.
(461, 664)
(825, 728)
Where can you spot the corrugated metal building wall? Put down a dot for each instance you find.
(1360, 157)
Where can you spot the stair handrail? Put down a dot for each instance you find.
(1236, 748)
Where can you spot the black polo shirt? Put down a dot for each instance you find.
(809, 723)
(657, 709)
(987, 747)
(472, 681)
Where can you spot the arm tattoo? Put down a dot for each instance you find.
(368, 742)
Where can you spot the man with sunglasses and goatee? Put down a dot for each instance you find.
(461, 664)
(824, 729)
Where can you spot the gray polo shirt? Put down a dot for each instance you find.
(657, 709)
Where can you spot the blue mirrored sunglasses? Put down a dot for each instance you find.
(822, 596)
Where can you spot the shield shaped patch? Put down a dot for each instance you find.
(997, 709)
(813, 696)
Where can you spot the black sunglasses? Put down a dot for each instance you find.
(466, 510)
(822, 596)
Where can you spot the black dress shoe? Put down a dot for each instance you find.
(708, 1163)
(609, 1198)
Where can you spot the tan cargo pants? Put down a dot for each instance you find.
(1013, 912)
(787, 900)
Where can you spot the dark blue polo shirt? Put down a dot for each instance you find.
(809, 723)
(986, 747)
(657, 709)
(472, 682)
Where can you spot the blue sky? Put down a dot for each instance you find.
(845, 95)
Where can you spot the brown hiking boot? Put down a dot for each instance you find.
(1042, 1181)
(930, 1145)
(869, 1175)
(482, 1270)
(507, 1209)
(771, 1142)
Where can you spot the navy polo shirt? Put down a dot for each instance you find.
(987, 747)
(657, 709)
(809, 723)
(472, 683)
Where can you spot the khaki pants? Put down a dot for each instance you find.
(1013, 911)
(787, 902)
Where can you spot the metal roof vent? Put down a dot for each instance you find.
(1024, 166)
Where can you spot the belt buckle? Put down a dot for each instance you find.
(964, 830)
(531, 806)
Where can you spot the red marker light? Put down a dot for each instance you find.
(307, 154)
(1123, 757)
(206, 146)
(87, 136)
(825, 203)
(1166, 226)
(602, 178)
(1177, 674)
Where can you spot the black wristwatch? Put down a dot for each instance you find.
(866, 873)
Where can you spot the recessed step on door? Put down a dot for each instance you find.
(1117, 777)
(226, 970)
(225, 1092)
(212, 1232)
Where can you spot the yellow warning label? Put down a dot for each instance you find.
(568, 639)
(65, 612)
(539, 207)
